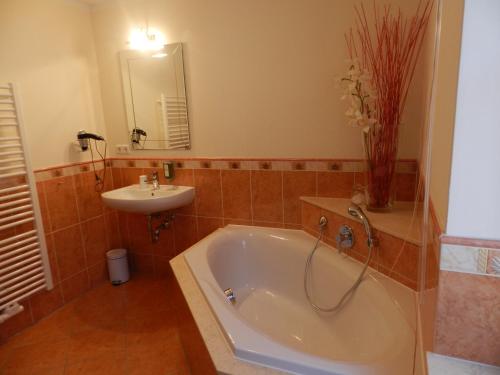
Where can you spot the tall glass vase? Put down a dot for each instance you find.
(380, 157)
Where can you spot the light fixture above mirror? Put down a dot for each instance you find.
(146, 39)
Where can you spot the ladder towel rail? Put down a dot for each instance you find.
(24, 262)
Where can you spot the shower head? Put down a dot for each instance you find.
(355, 211)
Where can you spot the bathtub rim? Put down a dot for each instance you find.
(214, 337)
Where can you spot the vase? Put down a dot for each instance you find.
(380, 167)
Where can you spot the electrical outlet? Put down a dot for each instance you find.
(122, 149)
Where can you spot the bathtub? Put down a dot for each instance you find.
(270, 323)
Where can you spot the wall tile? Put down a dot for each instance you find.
(335, 184)
(139, 237)
(51, 252)
(186, 233)
(61, 203)
(236, 222)
(267, 196)
(310, 216)
(95, 240)
(45, 302)
(268, 224)
(116, 174)
(113, 230)
(130, 176)
(142, 263)
(98, 273)
(236, 194)
(207, 225)
(208, 192)
(17, 323)
(44, 211)
(69, 251)
(75, 286)
(223, 197)
(468, 317)
(405, 186)
(295, 185)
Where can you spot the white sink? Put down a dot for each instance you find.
(145, 200)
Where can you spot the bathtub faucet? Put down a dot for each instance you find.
(357, 212)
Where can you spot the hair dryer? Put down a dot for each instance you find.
(136, 135)
(83, 138)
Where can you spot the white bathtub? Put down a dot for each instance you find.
(273, 325)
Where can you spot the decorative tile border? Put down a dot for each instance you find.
(316, 165)
(470, 259)
(68, 170)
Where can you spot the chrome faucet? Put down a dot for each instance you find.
(358, 213)
(155, 181)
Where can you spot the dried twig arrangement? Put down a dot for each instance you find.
(389, 51)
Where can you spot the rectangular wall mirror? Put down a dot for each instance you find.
(155, 98)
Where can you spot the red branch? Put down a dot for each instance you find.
(389, 50)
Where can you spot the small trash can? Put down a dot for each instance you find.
(118, 266)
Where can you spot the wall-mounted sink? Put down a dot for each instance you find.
(145, 200)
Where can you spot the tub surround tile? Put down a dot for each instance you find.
(208, 192)
(335, 184)
(236, 194)
(393, 256)
(267, 196)
(295, 185)
(207, 225)
(186, 232)
(396, 224)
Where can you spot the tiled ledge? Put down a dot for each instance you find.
(398, 223)
(398, 251)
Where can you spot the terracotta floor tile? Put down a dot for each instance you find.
(39, 355)
(93, 343)
(108, 365)
(130, 329)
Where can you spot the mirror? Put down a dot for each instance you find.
(155, 98)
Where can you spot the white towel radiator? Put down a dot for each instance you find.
(24, 263)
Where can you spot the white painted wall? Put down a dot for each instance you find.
(260, 75)
(47, 49)
(444, 116)
(474, 205)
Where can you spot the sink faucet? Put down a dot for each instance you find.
(155, 181)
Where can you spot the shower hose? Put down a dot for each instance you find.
(348, 293)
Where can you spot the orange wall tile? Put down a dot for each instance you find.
(392, 257)
(80, 229)
(468, 317)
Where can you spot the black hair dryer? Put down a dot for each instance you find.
(137, 133)
(83, 138)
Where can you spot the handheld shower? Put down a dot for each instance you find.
(357, 212)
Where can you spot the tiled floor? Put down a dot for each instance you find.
(129, 329)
